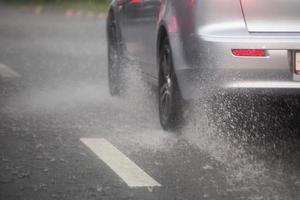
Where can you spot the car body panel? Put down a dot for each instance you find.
(272, 15)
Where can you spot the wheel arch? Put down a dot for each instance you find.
(162, 35)
(178, 59)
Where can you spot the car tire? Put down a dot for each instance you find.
(170, 99)
(114, 59)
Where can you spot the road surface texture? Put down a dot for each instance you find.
(63, 137)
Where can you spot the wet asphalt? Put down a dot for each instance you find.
(231, 147)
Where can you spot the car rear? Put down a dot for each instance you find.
(246, 44)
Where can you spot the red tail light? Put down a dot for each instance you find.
(136, 1)
(297, 62)
(249, 52)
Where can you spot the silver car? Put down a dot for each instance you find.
(186, 47)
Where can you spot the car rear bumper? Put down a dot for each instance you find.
(217, 69)
(192, 87)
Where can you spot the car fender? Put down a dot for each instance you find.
(168, 20)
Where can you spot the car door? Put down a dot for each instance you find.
(130, 11)
(148, 33)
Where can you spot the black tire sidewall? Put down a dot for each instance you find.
(114, 66)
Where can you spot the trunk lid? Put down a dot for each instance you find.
(272, 15)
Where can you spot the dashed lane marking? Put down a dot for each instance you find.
(126, 169)
(7, 72)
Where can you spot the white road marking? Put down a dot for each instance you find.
(7, 72)
(126, 169)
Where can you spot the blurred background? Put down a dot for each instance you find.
(92, 5)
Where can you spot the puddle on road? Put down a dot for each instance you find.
(137, 124)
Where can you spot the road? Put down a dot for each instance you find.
(54, 96)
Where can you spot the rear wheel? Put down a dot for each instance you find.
(170, 101)
(114, 59)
